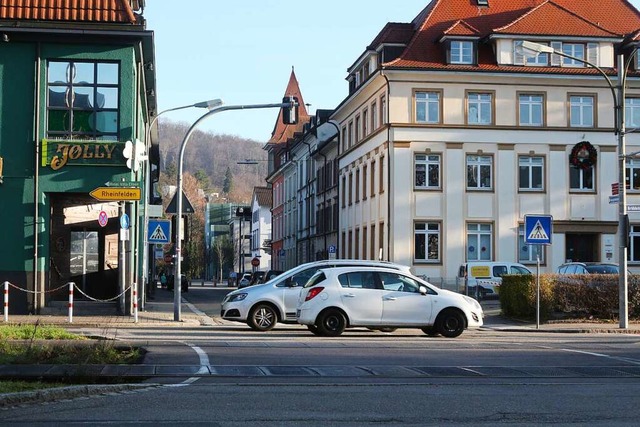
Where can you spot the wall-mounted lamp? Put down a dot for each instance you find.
(1, 161)
(5, 37)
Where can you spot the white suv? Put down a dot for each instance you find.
(262, 306)
(382, 298)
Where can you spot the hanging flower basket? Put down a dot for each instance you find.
(583, 155)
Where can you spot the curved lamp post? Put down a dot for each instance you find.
(291, 118)
(618, 93)
(210, 104)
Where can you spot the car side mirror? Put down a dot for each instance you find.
(290, 283)
(423, 290)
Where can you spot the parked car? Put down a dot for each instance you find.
(483, 278)
(382, 298)
(270, 274)
(244, 281)
(588, 268)
(264, 305)
(256, 277)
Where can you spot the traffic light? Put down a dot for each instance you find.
(290, 114)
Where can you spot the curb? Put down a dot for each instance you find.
(70, 392)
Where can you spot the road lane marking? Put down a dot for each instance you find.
(607, 356)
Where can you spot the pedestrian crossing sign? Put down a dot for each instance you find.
(159, 231)
(538, 229)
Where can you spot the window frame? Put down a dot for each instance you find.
(543, 108)
(629, 109)
(479, 164)
(469, 102)
(581, 104)
(632, 165)
(479, 231)
(461, 57)
(427, 102)
(427, 161)
(69, 86)
(531, 166)
(582, 188)
(427, 232)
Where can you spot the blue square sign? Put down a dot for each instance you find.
(538, 229)
(159, 231)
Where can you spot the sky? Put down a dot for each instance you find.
(242, 52)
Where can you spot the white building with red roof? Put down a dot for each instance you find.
(452, 133)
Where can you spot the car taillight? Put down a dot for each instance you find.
(313, 292)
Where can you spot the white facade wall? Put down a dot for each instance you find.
(504, 206)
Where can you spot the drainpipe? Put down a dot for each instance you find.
(36, 187)
(389, 173)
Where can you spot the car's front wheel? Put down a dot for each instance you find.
(331, 323)
(313, 329)
(450, 323)
(262, 317)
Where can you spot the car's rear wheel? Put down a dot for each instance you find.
(262, 317)
(331, 323)
(450, 323)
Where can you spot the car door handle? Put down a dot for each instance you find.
(389, 298)
(350, 295)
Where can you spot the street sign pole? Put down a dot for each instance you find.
(538, 230)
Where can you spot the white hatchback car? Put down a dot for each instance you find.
(262, 306)
(382, 298)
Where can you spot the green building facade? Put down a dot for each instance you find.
(72, 93)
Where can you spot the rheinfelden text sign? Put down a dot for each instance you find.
(109, 194)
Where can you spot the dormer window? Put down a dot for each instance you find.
(461, 52)
(573, 49)
(524, 57)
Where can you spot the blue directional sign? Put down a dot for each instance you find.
(124, 221)
(159, 231)
(538, 229)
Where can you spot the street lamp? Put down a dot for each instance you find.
(618, 93)
(290, 116)
(210, 104)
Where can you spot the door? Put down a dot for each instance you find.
(581, 247)
(402, 302)
(361, 298)
(290, 294)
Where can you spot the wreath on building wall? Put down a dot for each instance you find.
(583, 155)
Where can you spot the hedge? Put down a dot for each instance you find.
(567, 296)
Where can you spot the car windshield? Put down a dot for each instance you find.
(602, 269)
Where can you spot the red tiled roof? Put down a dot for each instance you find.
(393, 32)
(550, 18)
(461, 28)
(602, 18)
(281, 132)
(103, 11)
(263, 195)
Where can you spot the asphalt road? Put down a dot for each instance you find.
(289, 377)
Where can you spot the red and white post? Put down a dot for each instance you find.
(71, 285)
(135, 302)
(6, 301)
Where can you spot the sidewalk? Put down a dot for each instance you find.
(158, 311)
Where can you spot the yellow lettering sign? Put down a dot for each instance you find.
(480, 271)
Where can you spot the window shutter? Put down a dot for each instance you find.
(518, 53)
(592, 53)
(556, 60)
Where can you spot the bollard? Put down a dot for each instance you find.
(71, 285)
(135, 302)
(6, 301)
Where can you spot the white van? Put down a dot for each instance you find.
(483, 278)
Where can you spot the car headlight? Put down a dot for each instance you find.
(472, 302)
(236, 297)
